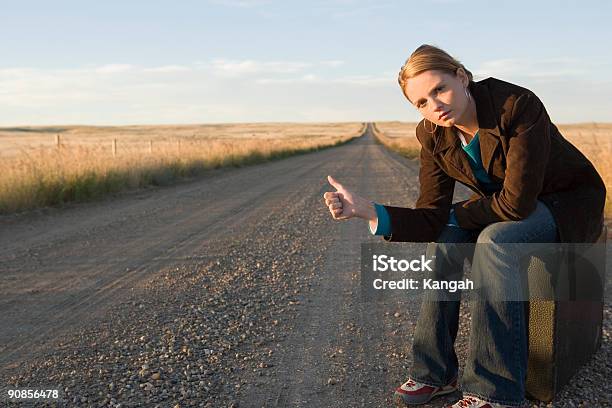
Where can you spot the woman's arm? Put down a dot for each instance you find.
(425, 222)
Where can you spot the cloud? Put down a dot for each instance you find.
(332, 63)
(114, 68)
(355, 80)
(172, 93)
(168, 69)
(301, 79)
(542, 69)
(225, 90)
(231, 68)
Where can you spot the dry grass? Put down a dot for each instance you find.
(594, 140)
(399, 137)
(37, 173)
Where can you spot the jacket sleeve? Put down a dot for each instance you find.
(526, 162)
(425, 222)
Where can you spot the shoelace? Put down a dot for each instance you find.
(467, 402)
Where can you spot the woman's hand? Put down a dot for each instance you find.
(344, 204)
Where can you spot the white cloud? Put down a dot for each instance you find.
(332, 63)
(295, 80)
(200, 92)
(356, 80)
(543, 69)
(224, 90)
(114, 68)
(168, 69)
(232, 68)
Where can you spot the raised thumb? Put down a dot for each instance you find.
(334, 183)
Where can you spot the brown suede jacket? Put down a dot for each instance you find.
(520, 148)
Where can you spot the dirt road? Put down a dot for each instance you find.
(233, 290)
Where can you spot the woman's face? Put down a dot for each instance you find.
(439, 97)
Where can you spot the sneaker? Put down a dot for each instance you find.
(414, 393)
(474, 402)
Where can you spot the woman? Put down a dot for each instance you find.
(530, 185)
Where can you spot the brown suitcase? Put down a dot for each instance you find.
(563, 334)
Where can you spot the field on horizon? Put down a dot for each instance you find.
(30, 139)
(51, 165)
(54, 164)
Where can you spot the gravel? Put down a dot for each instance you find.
(265, 318)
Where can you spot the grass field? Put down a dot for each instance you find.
(594, 140)
(45, 166)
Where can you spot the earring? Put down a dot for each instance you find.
(467, 94)
(430, 131)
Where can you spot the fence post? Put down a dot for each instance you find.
(114, 147)
(150, 146)
(58, 142)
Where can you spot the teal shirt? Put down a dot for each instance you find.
(472, 151)
(473, 154)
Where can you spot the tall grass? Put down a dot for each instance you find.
(594, 140)
(399, 137)
(38, 177)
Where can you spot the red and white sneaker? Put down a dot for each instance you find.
(414, 393)
(474, 402)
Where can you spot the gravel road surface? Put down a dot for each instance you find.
(234, 290)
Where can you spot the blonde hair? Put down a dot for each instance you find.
(425, 58)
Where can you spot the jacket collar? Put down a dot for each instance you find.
(447, 141)
(487, 121)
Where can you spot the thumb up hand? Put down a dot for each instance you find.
(342, 203)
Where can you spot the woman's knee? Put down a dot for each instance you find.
(540, 225)
(492, 234)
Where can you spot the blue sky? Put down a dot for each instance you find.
(120, 62)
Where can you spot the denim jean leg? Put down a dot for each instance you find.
(435, 362)
(497, 362)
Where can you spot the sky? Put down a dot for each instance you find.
(231, 61)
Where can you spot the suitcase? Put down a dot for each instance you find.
(564, 333)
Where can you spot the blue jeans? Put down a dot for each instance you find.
(496, 366)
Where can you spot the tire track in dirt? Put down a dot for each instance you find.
(132, 261)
